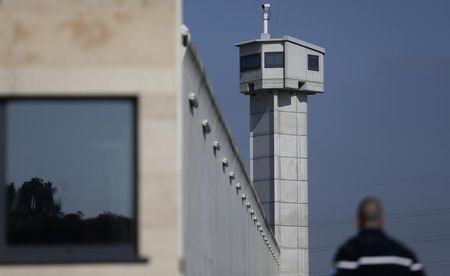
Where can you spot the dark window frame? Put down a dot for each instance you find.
(273, 65)
(244, 67)
(69, 253)
(313, 62)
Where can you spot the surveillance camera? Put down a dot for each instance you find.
(265, 6)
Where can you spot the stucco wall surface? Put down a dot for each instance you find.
(108, 48)
(88, 32)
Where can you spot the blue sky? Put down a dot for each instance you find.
(381, 128)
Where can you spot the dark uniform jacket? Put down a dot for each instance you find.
(372, 253)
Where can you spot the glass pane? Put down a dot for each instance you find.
(250, 62)
(69, 171)
(313, 62)
(274, 60)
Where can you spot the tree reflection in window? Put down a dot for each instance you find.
(35, 217)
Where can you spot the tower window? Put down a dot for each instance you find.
(250, 62)
(274, 60)
(68, 177)
(313, 62)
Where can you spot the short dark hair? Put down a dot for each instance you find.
(370, 211)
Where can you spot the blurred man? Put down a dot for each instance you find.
(372, 252)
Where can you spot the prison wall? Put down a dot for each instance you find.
(225, 231)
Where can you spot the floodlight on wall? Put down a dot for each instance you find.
(255, 218)
(267, 243)
(238, 186)
(243, 196)
(206, 127)
(193, 99)
(225, 161)
(265, 238)
(251, 211)
(263, 234)
(258, 224)
(216, 145)
(248, 204)
(231, 175)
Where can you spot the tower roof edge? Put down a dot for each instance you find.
(284, 38)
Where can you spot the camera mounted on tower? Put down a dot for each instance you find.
(266, 16)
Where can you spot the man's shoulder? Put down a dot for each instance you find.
(348, 250)
(401, 249)
(376, 252)
(382, 244)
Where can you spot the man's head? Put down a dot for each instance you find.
(370, 214)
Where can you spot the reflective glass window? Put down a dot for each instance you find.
(274, 59)
(250, 62)
(68, 172)
(313, 62)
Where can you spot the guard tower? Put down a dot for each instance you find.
(278, 74)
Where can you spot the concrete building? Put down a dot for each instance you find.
(116, 159)
(278, 75)
(79, 61)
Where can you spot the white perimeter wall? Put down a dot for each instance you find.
(220, 236)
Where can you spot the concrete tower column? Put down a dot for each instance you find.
(279, 168)
(278, 74)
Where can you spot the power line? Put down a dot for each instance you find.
(439, 264)
(429, 212)
(443, 180)
(320, 273)
(445, 261)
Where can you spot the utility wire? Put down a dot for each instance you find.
(443, 180)
(391, 216)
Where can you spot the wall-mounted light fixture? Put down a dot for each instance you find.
(216, 145)
(238, 186)
(243, 196)
(206, 127)
(225, 161)
(231, 175)
(193, 99)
